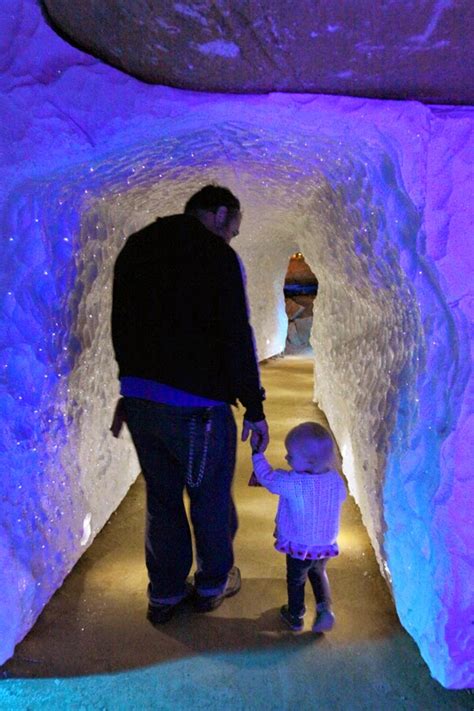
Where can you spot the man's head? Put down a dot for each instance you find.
(310, 448)
(218, 210)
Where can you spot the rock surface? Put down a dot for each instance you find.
(396, 49)
(373, 193)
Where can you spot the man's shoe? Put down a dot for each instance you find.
(294, 622)
(208, 603)
(324, 621)
(158, 613)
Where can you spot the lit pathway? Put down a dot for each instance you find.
(93, 649)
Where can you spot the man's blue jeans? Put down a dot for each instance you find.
(190, 448)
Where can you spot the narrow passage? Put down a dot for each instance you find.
(240, 656)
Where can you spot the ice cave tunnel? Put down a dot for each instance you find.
(355, 185)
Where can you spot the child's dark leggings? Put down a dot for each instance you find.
(297, 571)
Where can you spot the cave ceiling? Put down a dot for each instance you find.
(397, 49)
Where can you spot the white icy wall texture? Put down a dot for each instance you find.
(373, 193)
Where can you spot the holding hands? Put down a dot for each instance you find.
(259, 440)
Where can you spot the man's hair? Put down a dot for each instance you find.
(210, 198)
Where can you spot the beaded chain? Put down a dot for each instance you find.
(194, 483)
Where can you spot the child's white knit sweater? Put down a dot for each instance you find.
(307, 519)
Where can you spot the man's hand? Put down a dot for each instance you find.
(259, 438)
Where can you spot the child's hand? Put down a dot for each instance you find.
(253, 481)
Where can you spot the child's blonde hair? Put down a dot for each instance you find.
(313, 441)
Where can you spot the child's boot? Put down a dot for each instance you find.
(294, 622)
(324, 620)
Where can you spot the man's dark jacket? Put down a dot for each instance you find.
(179, 313)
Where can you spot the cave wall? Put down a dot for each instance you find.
(372, 192)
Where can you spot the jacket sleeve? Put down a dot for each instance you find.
(237, 336)
(278, 481)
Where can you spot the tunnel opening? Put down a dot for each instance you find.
(300, 290)
(327, 209)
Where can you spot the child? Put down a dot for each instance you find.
(307, 520)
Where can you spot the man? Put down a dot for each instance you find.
(185, 351)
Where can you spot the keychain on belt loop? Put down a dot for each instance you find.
(193, 484)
